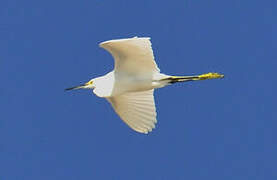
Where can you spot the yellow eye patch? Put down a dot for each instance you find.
(89, 83)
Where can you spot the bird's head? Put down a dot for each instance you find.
(88, 85)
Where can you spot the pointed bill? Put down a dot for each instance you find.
(76, 87)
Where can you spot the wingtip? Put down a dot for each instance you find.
(144, 131)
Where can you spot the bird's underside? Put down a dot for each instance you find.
(130, 86)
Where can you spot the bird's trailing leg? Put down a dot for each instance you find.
(174, 79)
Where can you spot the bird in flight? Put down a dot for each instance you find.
(130, 86)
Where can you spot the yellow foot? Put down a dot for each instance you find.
(210, 76)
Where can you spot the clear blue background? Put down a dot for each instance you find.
(216, 129)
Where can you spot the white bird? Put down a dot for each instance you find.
(130, 86)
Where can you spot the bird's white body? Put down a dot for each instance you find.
(135, 68)
(130, 86)
(114, 84)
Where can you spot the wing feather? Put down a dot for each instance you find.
(132, 56)
(136, 109)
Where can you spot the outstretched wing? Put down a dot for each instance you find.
(136, 109)
(133, 56)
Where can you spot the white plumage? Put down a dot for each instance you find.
(132, 56)
(130, 86)
(137, 109)
(132, 96)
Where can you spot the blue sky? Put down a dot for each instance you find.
(216, 129)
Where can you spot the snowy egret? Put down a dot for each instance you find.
(130, 86)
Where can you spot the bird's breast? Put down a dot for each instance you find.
(114, 84)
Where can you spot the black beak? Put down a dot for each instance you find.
(75, 87)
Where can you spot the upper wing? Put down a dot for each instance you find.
(136, 109)
(133, 56)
